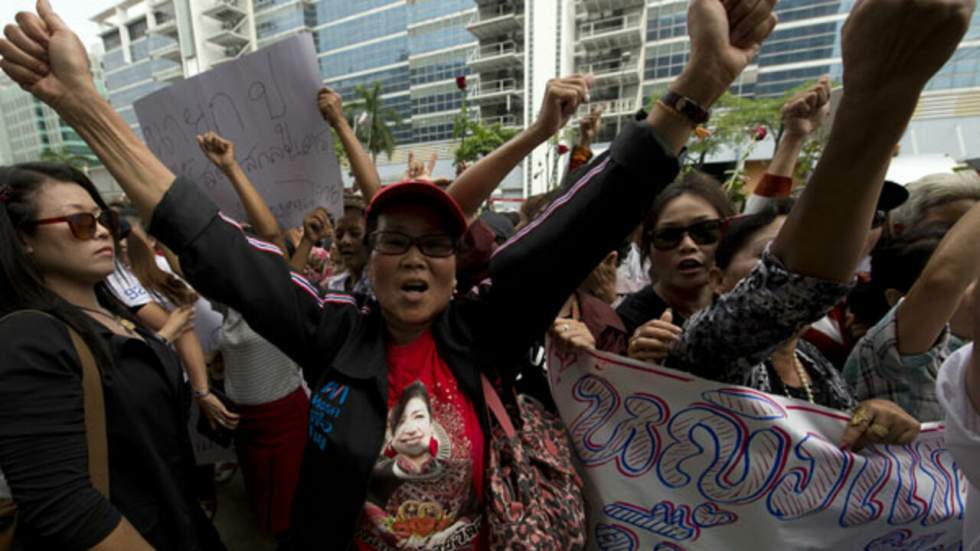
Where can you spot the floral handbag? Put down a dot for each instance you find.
(536, 499)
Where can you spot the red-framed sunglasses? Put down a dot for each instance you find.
(83, 224)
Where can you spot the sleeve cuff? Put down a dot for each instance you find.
(183, 213)
(639, 148)
(774, 186)
(811, 286)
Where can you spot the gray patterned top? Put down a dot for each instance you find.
(731, 340)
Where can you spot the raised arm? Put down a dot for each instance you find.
(221, 153)
(220, 261)
(935, 296)
(890, 50)
(802, 115)
(47, 59)
(477, 183)
(365, 174)
(316, 226)
(545, 262)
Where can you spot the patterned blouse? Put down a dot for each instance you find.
(731, 340)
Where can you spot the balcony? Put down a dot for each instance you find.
(495, 91)
(610, 108)
(622, 31)
(231, 35)
(170, 51)
(167, 27)
(613, 71)
(171, 74)
(491, 57)
(497, 21)
(229, 53)
(506, 121)
(227, 10)
(606, 5)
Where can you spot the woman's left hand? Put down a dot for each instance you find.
(879, 422)
(217, 413)
(571, 334)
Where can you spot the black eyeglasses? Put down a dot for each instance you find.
(83, 225)
(393, 242)
(878, 220)
(705, 232)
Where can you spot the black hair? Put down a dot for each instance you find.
(740, 230)
(898, 262)
(695, 183)
(414, 390)
(21, 283)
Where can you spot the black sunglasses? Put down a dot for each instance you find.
(705, 232)
(83, 225)
(393, 242)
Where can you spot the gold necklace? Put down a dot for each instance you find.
(128, 326)
(804, 379)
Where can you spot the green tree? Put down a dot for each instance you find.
(65, 155)
(375, 133)
(478, 139)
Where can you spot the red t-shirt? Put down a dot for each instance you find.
(426, 490)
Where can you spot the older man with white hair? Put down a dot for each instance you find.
(937, 199)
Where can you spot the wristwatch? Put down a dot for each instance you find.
(686, 106)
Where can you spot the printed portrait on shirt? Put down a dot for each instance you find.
(420, 495)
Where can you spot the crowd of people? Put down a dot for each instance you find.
(357, 364)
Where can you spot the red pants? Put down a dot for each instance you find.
(270, 439)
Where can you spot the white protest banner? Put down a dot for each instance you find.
(264, 102)
(674, 462)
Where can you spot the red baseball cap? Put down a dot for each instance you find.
(419, 191)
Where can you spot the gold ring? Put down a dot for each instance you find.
(878, 430)
(860, 417)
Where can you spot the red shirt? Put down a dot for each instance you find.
(426, 490)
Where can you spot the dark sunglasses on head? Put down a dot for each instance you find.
(878, 220)
(393, 242)
(83, 225)
(705, 232)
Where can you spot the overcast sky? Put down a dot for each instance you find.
(76, 14)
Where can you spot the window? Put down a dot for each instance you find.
(137, 29)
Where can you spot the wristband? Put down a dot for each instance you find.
(686, 106)
(201, 393)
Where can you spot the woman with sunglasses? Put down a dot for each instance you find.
(56, 250)
(357, 361)
(680, 234)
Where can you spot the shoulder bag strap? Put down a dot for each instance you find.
(95, 430)
(497, 407)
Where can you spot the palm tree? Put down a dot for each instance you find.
(379, 120)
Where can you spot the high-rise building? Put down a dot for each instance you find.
(29, 129)
(507, 49)
(806, 45)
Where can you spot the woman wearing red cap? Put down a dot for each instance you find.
(359, 361)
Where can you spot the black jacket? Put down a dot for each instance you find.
(43, 448)
(341, 348)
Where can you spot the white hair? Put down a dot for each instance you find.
(932, 191)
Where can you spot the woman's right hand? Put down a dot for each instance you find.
(46, 58)
(654, 340)
(219, 151)
(179, 322)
